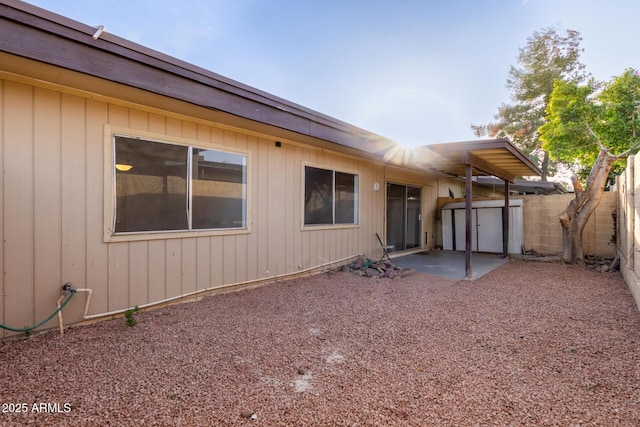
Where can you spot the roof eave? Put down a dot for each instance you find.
(43, 36)
(471, 153)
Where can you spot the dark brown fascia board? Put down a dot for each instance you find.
(78, 32)
(108, 91)
(37, 34)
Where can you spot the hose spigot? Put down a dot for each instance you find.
(68, 288)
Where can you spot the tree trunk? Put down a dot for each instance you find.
(545, 166)
(575, 216)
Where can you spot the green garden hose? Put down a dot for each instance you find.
(71, 291)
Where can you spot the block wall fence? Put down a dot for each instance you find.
(543, 233)
(629, 226)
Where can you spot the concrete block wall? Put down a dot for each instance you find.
(541, 227)
(599, 236)
(628, 225)
(543, 233)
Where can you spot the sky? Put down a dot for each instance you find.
(415, 71)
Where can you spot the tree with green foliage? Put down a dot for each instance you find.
(598, 126)
(547, 56)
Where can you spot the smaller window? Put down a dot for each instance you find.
(331, 197)
(218, 189)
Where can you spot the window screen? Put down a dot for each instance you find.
(331, 197)
(346, 198)
(219, 183)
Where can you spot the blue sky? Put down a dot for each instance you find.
(416, 71)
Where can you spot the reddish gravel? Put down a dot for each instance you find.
(528, 344)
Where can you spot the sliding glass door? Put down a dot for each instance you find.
(404, 216)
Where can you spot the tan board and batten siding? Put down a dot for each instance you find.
(53, 209)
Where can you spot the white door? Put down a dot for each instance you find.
(489, 230)
(461, 230)
(447, 229)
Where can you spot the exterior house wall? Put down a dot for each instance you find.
(55, 186)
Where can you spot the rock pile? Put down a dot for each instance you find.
(603, 265)
(384, 268)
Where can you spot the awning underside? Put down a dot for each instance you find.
(495, 157)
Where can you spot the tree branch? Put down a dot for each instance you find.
(598, 140)
(625, 153)
(577, 185)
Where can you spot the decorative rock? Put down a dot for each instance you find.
(357, 264)
(384, 268)
(301, 371)
(247, 413)
(371, 272)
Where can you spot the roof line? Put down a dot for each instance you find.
(81, 33)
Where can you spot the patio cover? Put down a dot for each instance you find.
(492, 157)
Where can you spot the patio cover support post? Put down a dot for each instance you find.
(505, 221)
(467, 209)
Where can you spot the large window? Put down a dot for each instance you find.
(330, 197)
(168, 187)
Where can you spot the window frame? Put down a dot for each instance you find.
(334, 225)
(110, 207)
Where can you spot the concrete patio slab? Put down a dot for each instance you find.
(449, 263)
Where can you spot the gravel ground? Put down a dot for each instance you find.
(528, 344)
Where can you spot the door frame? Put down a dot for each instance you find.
(405, 218)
